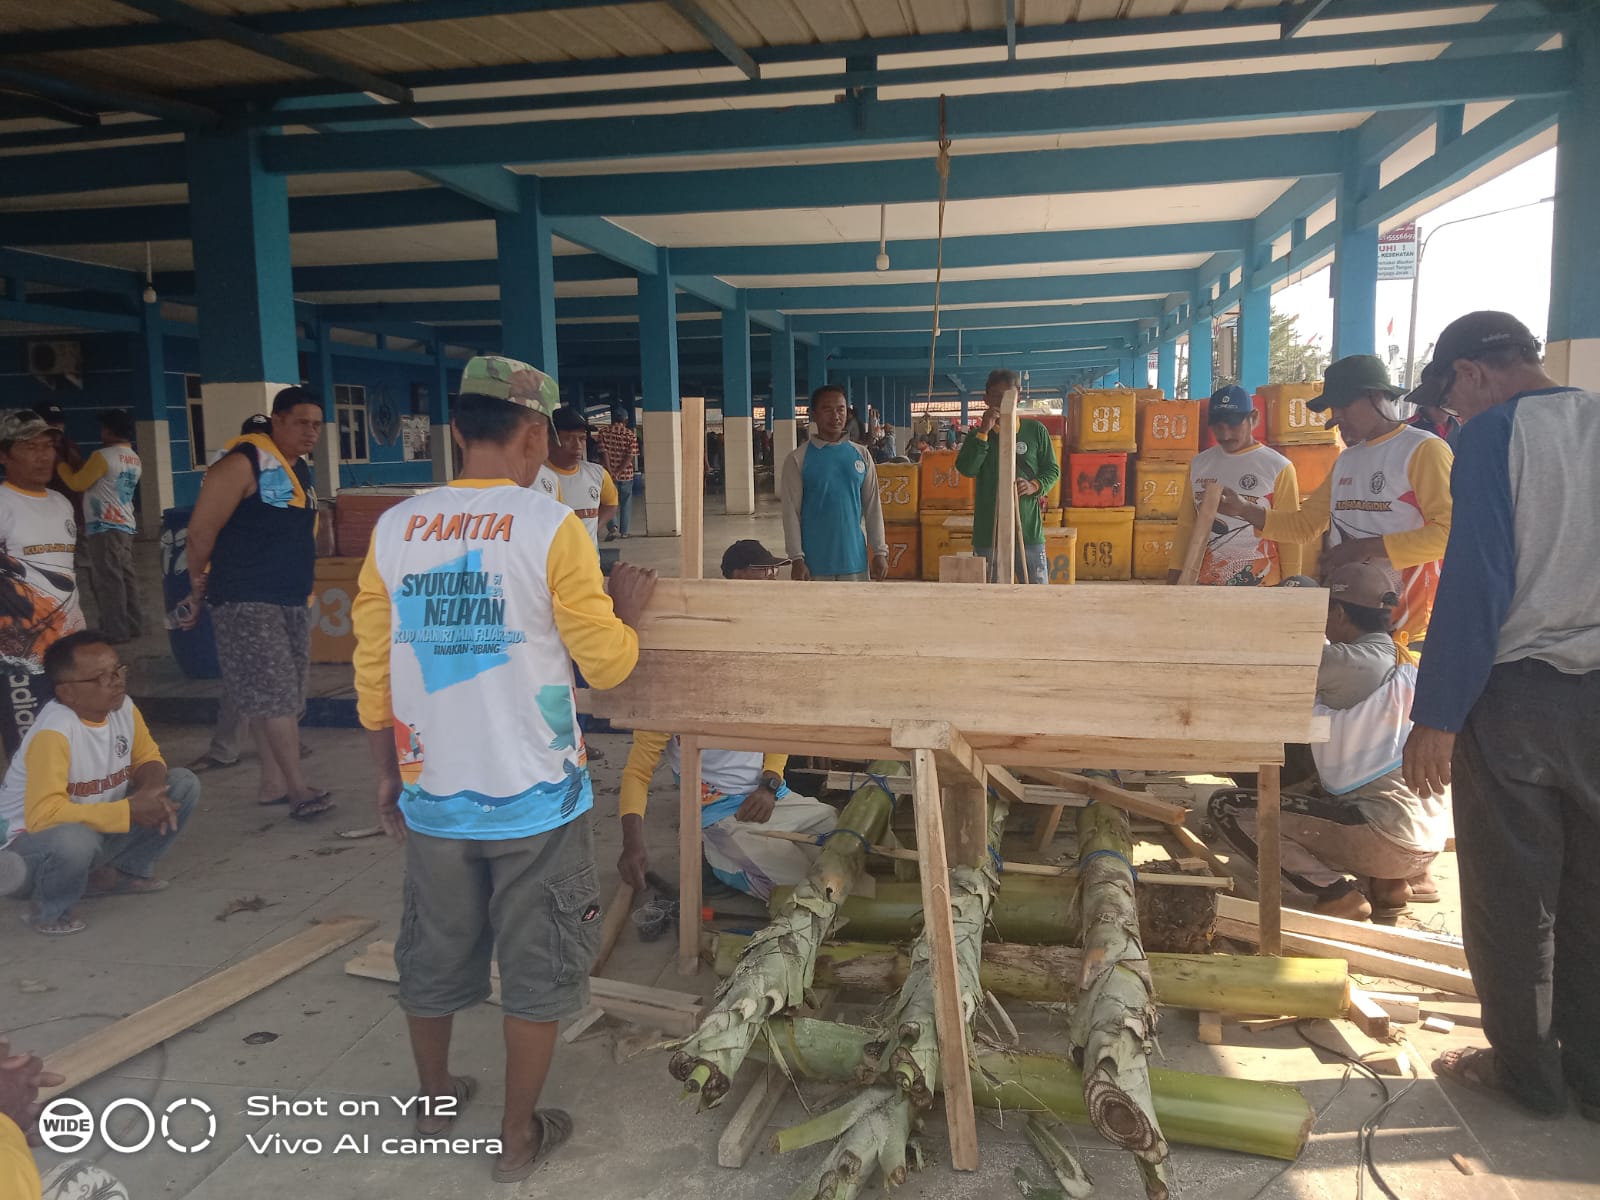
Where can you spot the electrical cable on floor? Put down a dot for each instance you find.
(1365, 1162)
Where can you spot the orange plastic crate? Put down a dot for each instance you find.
(1169, 425)
(941, 485)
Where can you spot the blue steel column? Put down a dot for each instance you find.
(239, 231)
(527, 281)
(1129, 372)
(781, 408)
(326, 462)
(1355, 269)
(816, 367)
(1255, 328)
(1200, 368)
(1573, 354)
(662, 431)
(1167, 364)
(439, 442)
(738, 450)
(151, 433)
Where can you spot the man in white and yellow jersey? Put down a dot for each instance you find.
(1387, 499)
(584, 487)
(1235, 553)
(474, 601)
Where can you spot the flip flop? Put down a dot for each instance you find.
(555, 1127)
(465, 1088)
(207, 762)
(1425, 897)
(312, 807)
(1476, 1068)
(130, 885)
(60, 927)
(273, 803)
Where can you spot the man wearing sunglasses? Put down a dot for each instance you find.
(88, 803)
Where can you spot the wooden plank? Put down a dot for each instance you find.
(1057, 624)
(954, 1059)
(1360, 958)
(750, 1118)
(966, 823)
(1194, 553)
(1140, 803)
(689, 856)
(691, 549)
(1412, 943)
(1365, 1013)
(115, 1044)
(1191, 841)
(1402, 1009)
(1004, 442)
(1044, 830)
(946, 740)
(617, 914)
(582, 1023)
(1208, 1028)
(1269, 849)
(962, 568)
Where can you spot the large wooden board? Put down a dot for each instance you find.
(117, 1043)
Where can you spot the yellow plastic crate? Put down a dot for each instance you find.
(1105, 542)
(1104, 419)
(944, 533)
(1158, 489)
(898, 490)
(1290, 421)
(1061, 553)
(1152, 548)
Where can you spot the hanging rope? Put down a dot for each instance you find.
(938, 266)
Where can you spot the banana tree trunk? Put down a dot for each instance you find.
(1216, 1112)
(1240, 985)
(1113, 1022)
(875, 1125)
(1034, 910)
(775, 970)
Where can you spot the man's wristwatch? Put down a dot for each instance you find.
(771, 781)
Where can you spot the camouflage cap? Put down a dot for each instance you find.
(21, 426)
(507, 379)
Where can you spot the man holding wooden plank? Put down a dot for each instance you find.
(1037, 472)
(475, 599)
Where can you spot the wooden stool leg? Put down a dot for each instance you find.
(1269, 831)
(689, 858)
(954, 1060)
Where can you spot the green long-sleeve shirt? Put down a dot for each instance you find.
(1036, 460)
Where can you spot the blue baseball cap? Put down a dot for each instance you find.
(1231, 403)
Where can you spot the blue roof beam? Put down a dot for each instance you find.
(1018, 316)
(719, 37)
(1297, 16)
(101, 94)
(974, 291)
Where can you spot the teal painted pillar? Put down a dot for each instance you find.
(440, 446)
(738, 434)
(527, 281)
(1354, 280)
(325, 464)
(1167, 366)
(1200, 360)
(151, 433)
(1254, 350)
(785, 434)
(816, 367)
(1128, 369)
(1573, 353)
(239, 231)
(661, 431)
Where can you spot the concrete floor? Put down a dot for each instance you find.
(342, 1038)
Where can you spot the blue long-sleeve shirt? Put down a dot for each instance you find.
(1519, 578)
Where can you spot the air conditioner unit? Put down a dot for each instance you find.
(50, 361)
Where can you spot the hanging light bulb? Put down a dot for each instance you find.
(883, 237)
(149, 278)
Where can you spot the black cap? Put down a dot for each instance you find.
(566, 418)
(51, 412)
(258, 423)
(119, 421)
(1471, 336)
(748, 553)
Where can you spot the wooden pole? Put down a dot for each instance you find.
(1005, 491)
(1195, 553)
(691, 565)
(1268, 831)
(616, 917)
(954, 1057)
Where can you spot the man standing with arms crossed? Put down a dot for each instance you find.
(829, 491)
(474, 600)
(1037, 472)
(1507, 708)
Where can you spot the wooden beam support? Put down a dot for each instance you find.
(1044, 830)
(1366, 961)
(691, 550)
(115, 1044)
(1194, 553)
(957, 754)
(1412, 943)
(691, 565)
(1141, 804)
(1004, 543)
(954, 1054)
(1269, 848)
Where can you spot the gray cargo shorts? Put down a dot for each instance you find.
(531, 903)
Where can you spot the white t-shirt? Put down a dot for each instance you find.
(38, 586)
(108, 504)
(584, 489)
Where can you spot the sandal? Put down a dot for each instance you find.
(1478, 1069)
(130, 885)
(464, 1087)
(60, 927)
(209, 762)
(555, 1127)
(312, 807)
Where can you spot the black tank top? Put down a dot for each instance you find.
(265, 554)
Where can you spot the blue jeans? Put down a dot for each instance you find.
(60, 858)
(1031, 562)
(623, 518)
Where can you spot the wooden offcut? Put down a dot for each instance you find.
(1366, 961)
(1412, 943)
(97, 1053)
(963, 568)
(1194, 554)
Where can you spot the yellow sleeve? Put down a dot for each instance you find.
(1286, 498)
(608, 489)
(605, 649)
(371, 616)
(1429, 474)
(774, 763)
(643, 758)
(145, 749)
(1185, 530)
(45, 802)
(80, 480)
(1310, 522)
(18, 1174)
